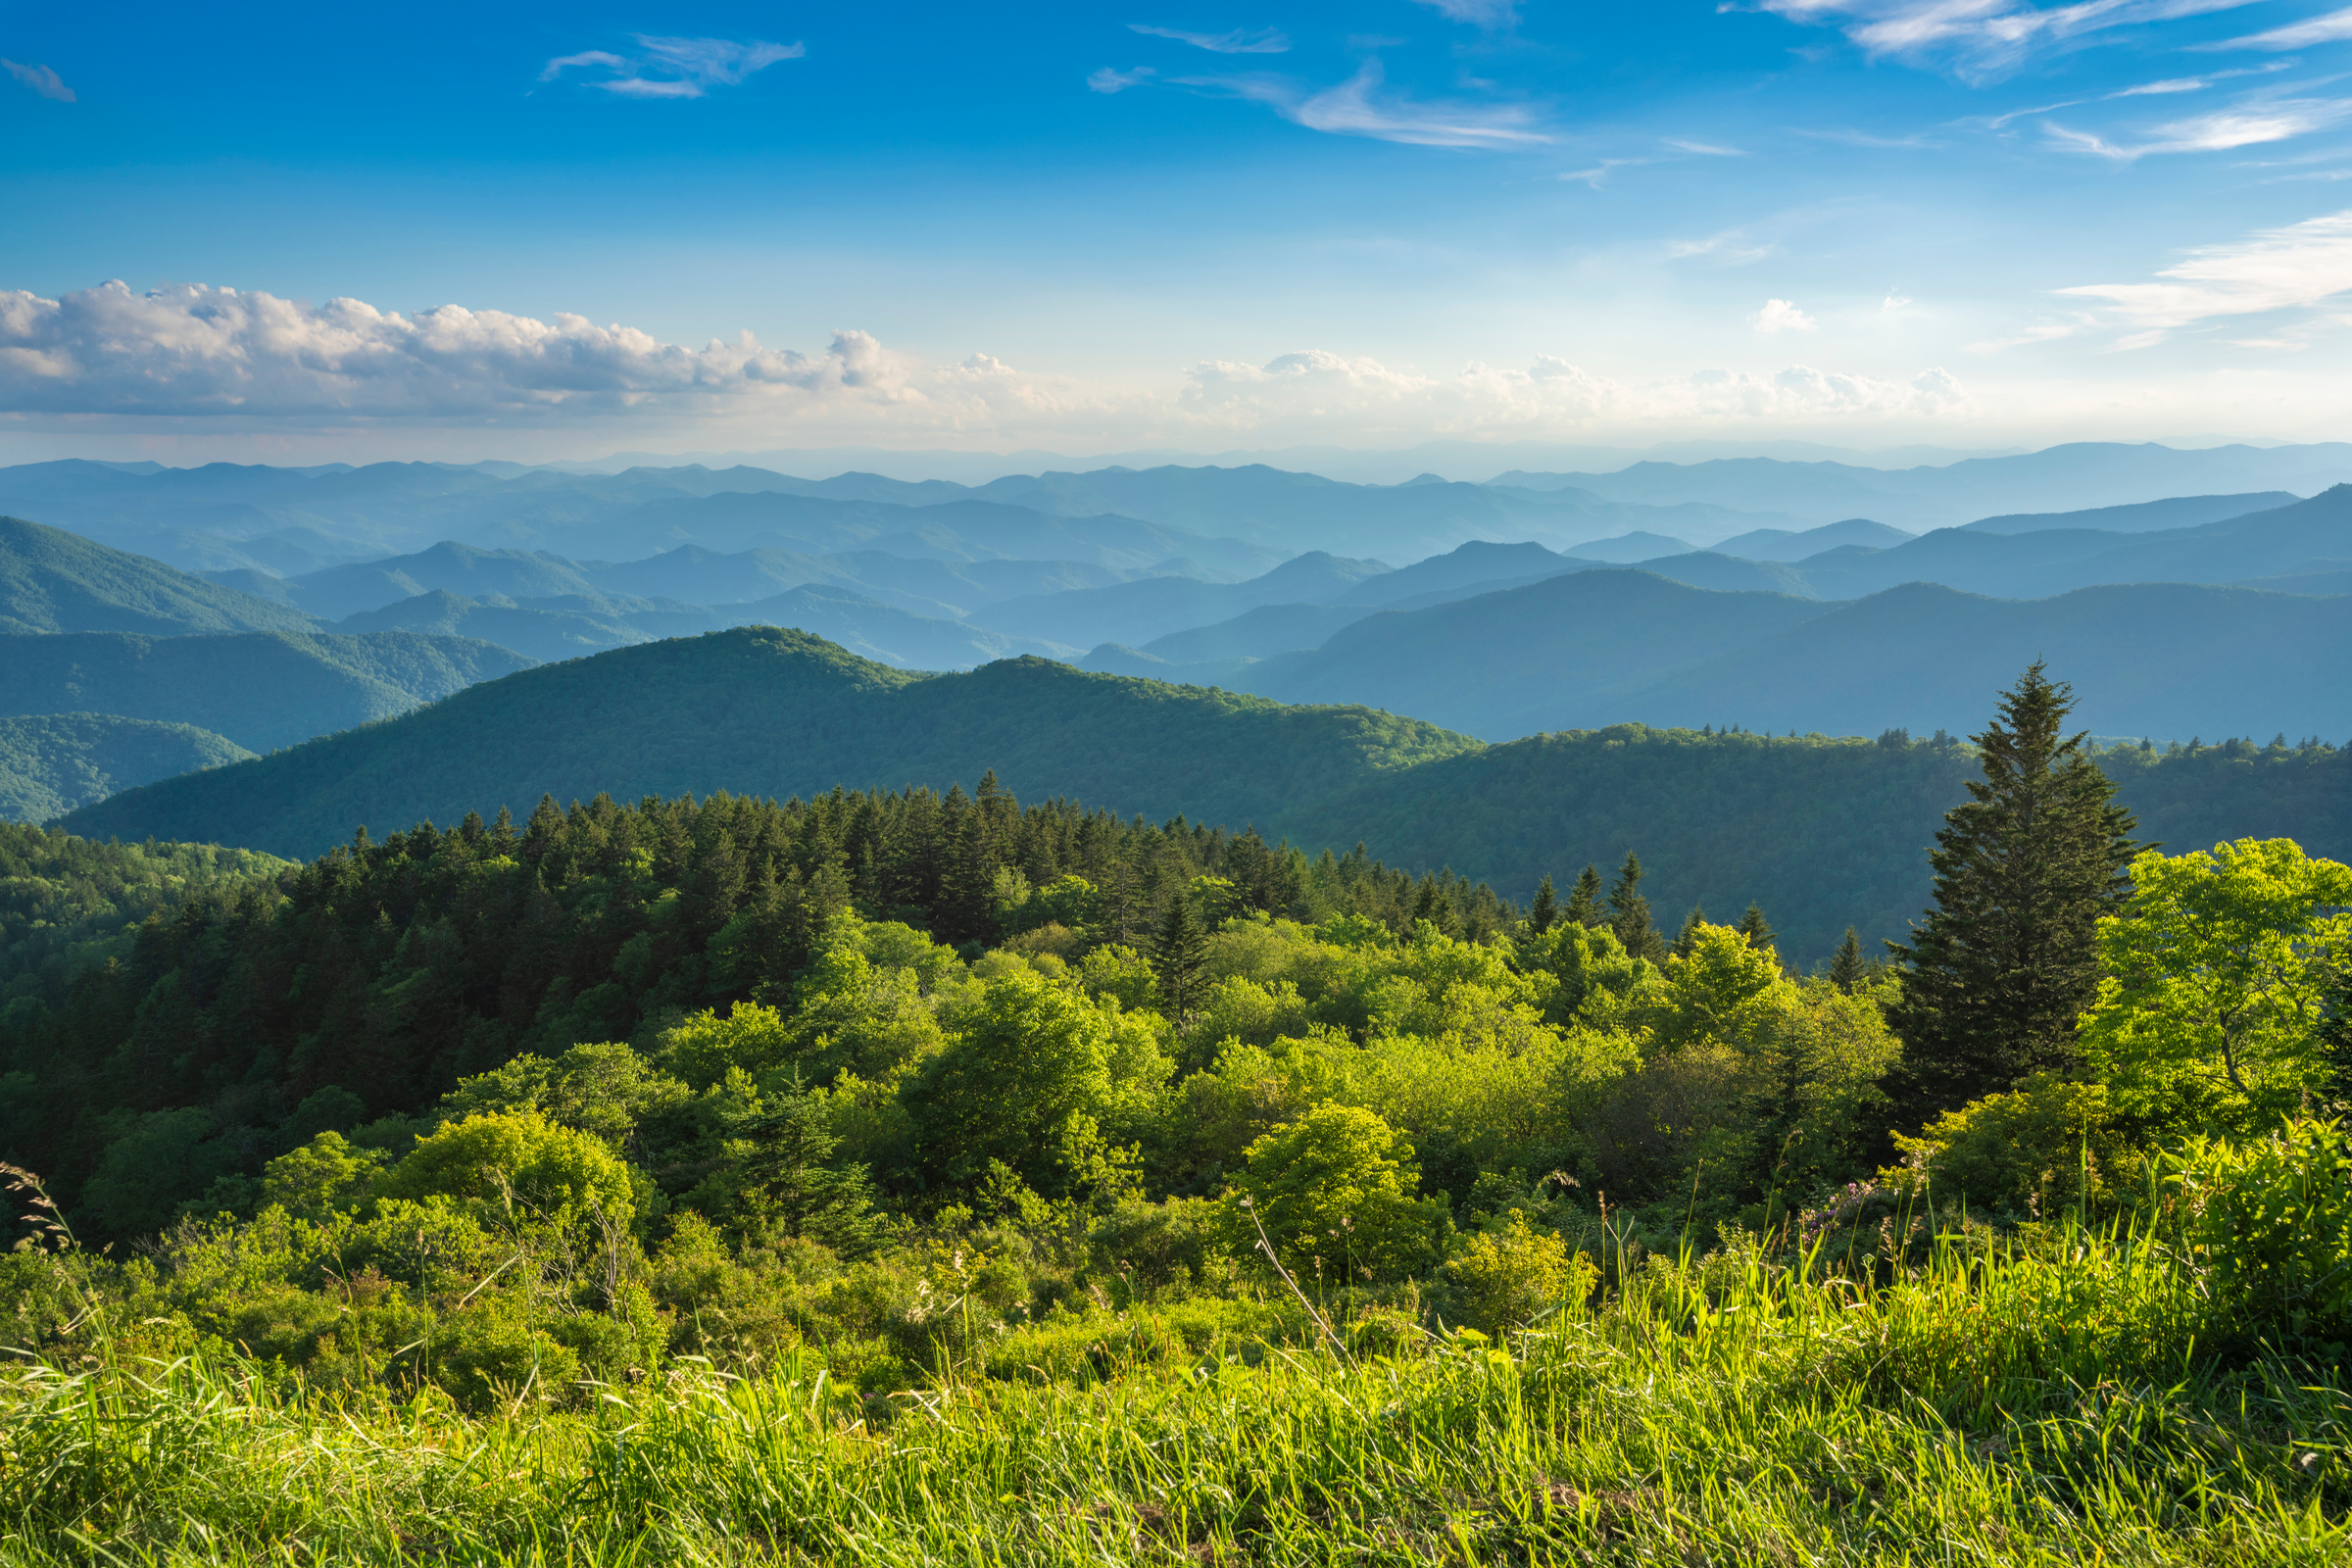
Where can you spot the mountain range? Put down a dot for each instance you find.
(1830, 831)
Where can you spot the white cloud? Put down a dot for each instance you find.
(1780, 316)
(1979, 38)
(1358, 107)
(2298, 267)
(2335, 26)
(1734, 246)
(193, 349)
(1265, 41)
(224, 359)
(2247, 125)
(41, 79)
(1491, 15)
(1302, 393)
(1895, 302)
(1110, 81)
(1599, 173)
(1705, 149)
(674, 68)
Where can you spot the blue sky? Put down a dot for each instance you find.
(1207, 225)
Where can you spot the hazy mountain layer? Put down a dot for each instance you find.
(52, 763)
(261, 690)
(1600, 647)
(55, 581)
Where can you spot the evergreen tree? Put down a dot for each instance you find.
(803, 1195)
(1179, 953)
(1629, 913)
(1584, 904)
(1846, 969)
(1546, 909)
(2007, 959)
(1687, 937)
(1753, 926)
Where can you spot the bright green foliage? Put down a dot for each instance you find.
(1334, 1193)
(2271, 1218)
(1503, 1278)
(2214, 995)
(1027, 1058)
(2049, 1148)
(604, 1089)
(750, 1039)
(2009, 958)
(518, 1169)
(1708, 988)
(325, 1176)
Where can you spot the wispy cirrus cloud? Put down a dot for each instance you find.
(2246, 125)
(1979, 38)
(2299, 267)
(1265, 41)
(674, 68)
(40, 79)
(2330, 28)
(1109, 80)
(1491, 15)
(1361, 106)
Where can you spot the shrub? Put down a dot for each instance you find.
(1501, 1278)
(1337, 1185)
(2270, 1222)
(2041, 1150)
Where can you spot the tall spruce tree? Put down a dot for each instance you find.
(1629, 913)
(1585, 906)
(1754, 927)
(1846, 969)
(2007, 959)
(1179, 953)
(1546, 909)
(1687, 937)
(803, 1195)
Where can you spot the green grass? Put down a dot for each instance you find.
(2052, 1405)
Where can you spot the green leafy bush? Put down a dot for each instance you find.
(2269, 1221)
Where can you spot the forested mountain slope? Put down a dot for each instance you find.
(769, 711)
(261, 690)
(1827, 832)
(53, 762)
(53, 582)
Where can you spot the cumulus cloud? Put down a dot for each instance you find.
(1265, 41)
(41, 79)
(674, 68)
(225, 358)
(2301, 265)
(1303, 393)
(1361, 106)
(195, 349)
(1979, 38)
(1780, 316)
